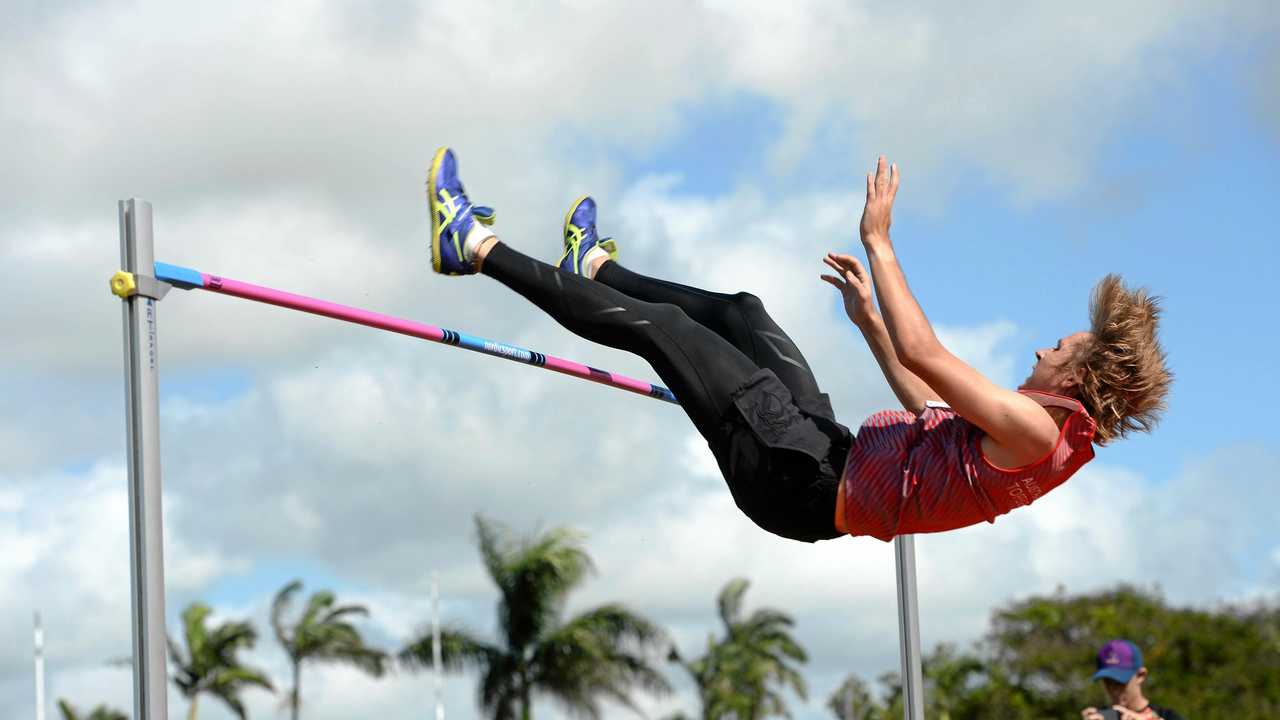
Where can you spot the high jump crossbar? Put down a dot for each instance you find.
(142, 282)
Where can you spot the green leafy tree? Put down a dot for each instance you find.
(949, 678)
(740, 675)
(1220, 662)
(1037, 659)
(209, 664)
(600, 654)
(322, 633)
(853, 701)
(101, 712)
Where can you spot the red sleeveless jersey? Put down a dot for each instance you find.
(908, 473)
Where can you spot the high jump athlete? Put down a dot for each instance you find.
(962, 449)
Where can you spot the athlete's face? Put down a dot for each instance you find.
(1055, 369)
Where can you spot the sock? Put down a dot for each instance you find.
(590, 258)
(476, 235)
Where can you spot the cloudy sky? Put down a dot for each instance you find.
(286, 144)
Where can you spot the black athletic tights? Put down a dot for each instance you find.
(704, 345)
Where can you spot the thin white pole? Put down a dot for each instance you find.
(142, 414)
(909, 629)
(436, 665)
(39, 669)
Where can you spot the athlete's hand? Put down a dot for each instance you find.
(854, 284)
(877, 213)
(1090, 713)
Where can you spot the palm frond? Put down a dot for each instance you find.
(232, 636)
(789, 677)
(317, 605)
(601, 653)
(238, 677)
(729, 602)
(768, 619)
(459, 650)
(615, 623)
(493, 552)
(231, 698)
(370, 661)
(193, 629)
(279, 606)
(343, 611)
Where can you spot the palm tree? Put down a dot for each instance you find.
(322, 633)
(736, 678)
(102, 712)
(210, 664)
(601, 653)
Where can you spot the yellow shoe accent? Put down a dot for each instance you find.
(436, 227)
(572, 237)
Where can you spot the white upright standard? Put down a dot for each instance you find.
(39, 669)
(142, 414)
(437, 667)
(904, 547)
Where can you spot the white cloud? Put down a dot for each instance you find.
(290, 147)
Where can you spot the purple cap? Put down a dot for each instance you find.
(1118, 660)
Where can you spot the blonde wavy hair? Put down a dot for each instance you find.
(1123, 380)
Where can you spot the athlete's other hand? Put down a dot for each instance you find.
(854, 284)
(877, 213)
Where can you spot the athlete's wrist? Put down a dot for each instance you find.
(868, 321)
(878, 244)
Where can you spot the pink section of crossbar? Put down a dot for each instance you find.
(248, 291)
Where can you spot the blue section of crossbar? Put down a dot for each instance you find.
(491, 347)
(179, 276)
(664, 394)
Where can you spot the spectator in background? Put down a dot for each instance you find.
(1122, 673)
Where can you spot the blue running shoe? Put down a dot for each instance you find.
(580, 235)
(452, 215)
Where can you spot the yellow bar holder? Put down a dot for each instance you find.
(125, 285)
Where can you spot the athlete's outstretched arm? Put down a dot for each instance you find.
(854, 284)
(1014, 421)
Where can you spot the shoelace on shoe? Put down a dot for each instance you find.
(483, 214)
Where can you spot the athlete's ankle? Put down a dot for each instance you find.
(595, 257)
(482, 250)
